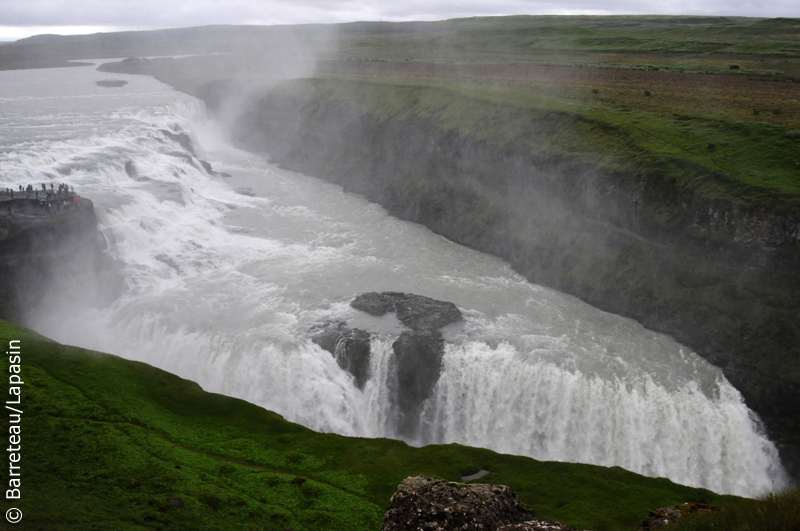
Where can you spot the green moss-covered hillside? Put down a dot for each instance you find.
(113, 444)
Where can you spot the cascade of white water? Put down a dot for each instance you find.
(376, 391)
(500, 399)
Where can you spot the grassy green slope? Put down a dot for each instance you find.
(585, 40)
(107, 442)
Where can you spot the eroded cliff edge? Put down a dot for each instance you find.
(48, 259)
(718, 272)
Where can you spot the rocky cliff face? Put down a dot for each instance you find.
(45, 257)
(718, 276)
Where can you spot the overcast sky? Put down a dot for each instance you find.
(23, 18)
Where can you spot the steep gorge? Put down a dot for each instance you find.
(719, 275)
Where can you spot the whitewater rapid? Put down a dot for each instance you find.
(226, 272)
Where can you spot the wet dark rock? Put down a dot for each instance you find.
(428, 503)
(417, 362)
(111, 83)
(416, 366)
(207, 166)
(659, 518)
(130, 169)
(350, 347)
(414, 311)
(181, 138)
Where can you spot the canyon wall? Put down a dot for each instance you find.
(713, 271)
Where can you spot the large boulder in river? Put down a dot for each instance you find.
(350, 347)
(417, 362)
(425, 503)
(416, 366)
(414, 311)
(181, 138)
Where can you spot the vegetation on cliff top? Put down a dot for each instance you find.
(684, 43)
(711, 102)
(749, 163)
(708, 102)
(118, 443)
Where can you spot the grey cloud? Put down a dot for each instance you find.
(181, 13)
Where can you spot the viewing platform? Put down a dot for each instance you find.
(20, 211)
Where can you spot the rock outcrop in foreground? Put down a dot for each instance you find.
(422, 503)
(660, 518)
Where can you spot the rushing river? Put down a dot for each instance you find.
(225, 275)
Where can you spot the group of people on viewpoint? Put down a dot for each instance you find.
(52, 200)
